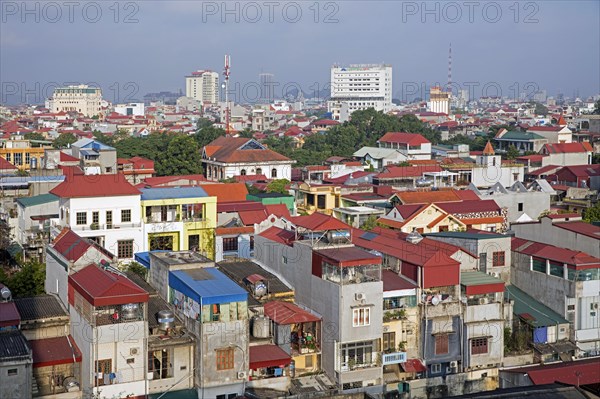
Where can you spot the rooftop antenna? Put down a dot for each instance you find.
(227, 109)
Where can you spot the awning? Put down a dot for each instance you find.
(413, 366)
(53, 351)
(262, 356)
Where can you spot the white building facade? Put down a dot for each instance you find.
(82, 98)
(358, 87)
(203, 86)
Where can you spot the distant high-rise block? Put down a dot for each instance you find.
(358, 87)
(203, 85)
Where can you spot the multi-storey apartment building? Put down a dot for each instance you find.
(104, 208)
(81, 98)
(358, 87)
(214, 309)
(337, 280)
(203, 86)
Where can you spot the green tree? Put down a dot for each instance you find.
(28, 281)
(64, 140)
(138, 269)
(597, 108)
(34, 136)
(370, 223)
(202, 123)
(540, 109)
(592, 214)
(182, 157)
(278, 186)
(247, 133)
(512, 152)
(5, 238)
(207, 134)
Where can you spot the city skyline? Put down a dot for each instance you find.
(489, 51)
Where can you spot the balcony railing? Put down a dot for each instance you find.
(98, 226)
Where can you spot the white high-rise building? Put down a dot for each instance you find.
(439, 100)
(82, 98)
(203, 86)
(358, 87)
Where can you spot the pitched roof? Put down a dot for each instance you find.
(489, 150)
(54, 351)
(81, 186)
(426, 197)
(404, 138)
(578, 259)
(398, 172)
(26, 202)
(469, 206)
(64, 157)
(575, 373)
(40, 307)
(180, 180)
(13, 345)
(102, 288)
(319, 222)
(227, 192)
(5, 165)
(285, 313)
(279, 235)
(72, 247)
(241, 150)
(567, 148)
(582, 170)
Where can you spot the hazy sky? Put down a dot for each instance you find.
(516, 46)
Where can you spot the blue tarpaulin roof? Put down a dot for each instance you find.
(207, 286)
(172, 192)
(143, 258)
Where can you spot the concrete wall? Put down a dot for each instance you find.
(448, 323)
(182, 357)
(534, 203)
(19, 385)
(488, 176)
(547, 233)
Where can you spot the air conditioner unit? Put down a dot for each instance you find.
(241, 375)
(133, 351)
(454, 364)
(360, 296)
(483, 301)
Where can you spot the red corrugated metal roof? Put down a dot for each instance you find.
(102, 288)
(5, 165)
(54, 351)
(262, 356)
(349, 256)
(9, 315)
(319, 222)
(577, 373)
(392, 281)
(70, 245)
(278, 235)
(287, 313)
(77, 186)
(228, 192)
(413, 366)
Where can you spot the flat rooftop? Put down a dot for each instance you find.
(172, 193)
(359, 209)
(207, 286)
(179, 257)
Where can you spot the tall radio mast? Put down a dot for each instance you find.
(226, 86)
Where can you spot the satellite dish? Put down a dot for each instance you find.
(435, 300)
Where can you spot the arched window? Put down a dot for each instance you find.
(273, 173)
(258, 171)
(222, 174)
(243, 172)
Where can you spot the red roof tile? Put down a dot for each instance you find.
(426, 197)
(403, 138)
(78, 186)
(581, 372)
(285, 313)
(278, 235)
(227, 192)
(5, 165)
(392, 281)
(228, 150)
(268, 355)
(398, 172)
(469, 206)
(181, 180)
(566, 148)
(67, 158)
(54, 351)
(279, 210)
(319, 222)
(103, 288)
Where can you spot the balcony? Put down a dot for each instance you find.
(99, 226)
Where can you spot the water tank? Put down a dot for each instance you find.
(261, 327)
(166, 319)
(260, 289)
(129, 311)
(33, 163)
(5, 294)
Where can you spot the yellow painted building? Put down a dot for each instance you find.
(318, 197)
(21, 154)
(179, 219)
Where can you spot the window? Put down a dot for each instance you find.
(18, 159)
(109, 219)
(125, 249)
(520, 205)
(251, 243)
(243, 172)
(389, 341)
(8, 157)
(27, 158)
(230, 244)
(479, 346)
(441, 344)
(284, 259)
(96, 217)
(556, 269)
(436, 368)
(539, 265)
(81, 218)
(358, 353)
(225, 359)
(308, 361)
(361, 317)
(273, 173)
(498, 258)
(125, 215)
(258, 171)
(103, 370)
(160, 362)
(12, 372)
